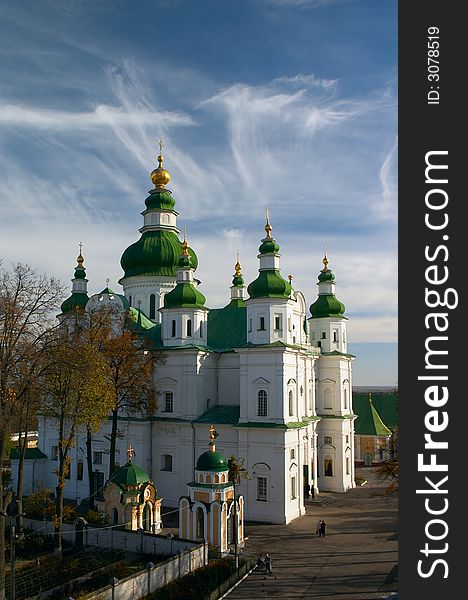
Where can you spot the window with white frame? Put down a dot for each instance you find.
(292, 453)
(327, 439)
(97, 458)
(166, 462)
(262, 489)
(347, 466)
(261, 323)
(262, 401)
(168, 402)
(293, 487)
(291, 403)
(277, 322)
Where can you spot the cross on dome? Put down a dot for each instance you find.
(130, 453)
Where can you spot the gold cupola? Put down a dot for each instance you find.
(160, 177)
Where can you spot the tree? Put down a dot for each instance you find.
(236, 473)
(76, 394)
(26, 304)
(131, 361)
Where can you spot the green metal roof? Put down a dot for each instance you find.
(227, 327)
(369, 421)
(327, 305)
(386, 404)
(30, 454)
(184, 295)
(160, 199)
(77, 300)
(130, 474)
(212, 461)
(220, 415)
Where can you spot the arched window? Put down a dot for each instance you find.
(152, 311)
(173, 334)
(328, 466)
(189, 327)
(200, 518)
(201, 328)
(291, 403)
(328, 399)
(130, 299)
(115, 516)
(345, 393)
(262, 403)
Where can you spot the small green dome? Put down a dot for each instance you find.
(160, 199)
(212, 461)
(238, 280)
(269, 284)
(80, 272)
(268, 246)
(325, 276)
(327, 305)
(185, 262)
(184, 295)
(155, 253)
(130, 474)
(77, 300)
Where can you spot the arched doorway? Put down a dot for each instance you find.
(147, 518)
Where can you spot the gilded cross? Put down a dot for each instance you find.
(130, 452)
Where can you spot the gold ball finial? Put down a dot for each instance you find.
(325, 259)
(160, 177)
(237, 266)
(213, 435)
(268, 227)
(185, 244)
(80, 259)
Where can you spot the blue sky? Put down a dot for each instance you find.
(289, 105)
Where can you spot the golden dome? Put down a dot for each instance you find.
(160, 177)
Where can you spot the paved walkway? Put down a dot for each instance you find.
(355, 561)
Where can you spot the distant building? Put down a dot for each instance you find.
(373, 443)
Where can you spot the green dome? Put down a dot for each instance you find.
(80, 273)
(325, 276)
(130, 474)
(212, 461)
(155, 253)
(76, 300)
(238, 280)
(160, 199)
(269, 284)
(184, 295)
(269, 245)
(327, 305)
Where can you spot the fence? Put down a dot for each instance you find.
(112, 538)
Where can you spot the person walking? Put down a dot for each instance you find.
(268, 563)
(322, 528)
(318, 529)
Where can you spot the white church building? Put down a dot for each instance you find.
(270, 373)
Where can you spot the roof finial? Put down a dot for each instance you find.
(325, 259)
(237, 267)
(185, 244)
(80, 259)
(160, 177)
(130, 453)
(268, 227)
(213, 435)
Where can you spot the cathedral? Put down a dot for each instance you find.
(271, 374)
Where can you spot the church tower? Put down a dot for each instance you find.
(184, 316)
(327, 328)
(150, 264)
(79, 296)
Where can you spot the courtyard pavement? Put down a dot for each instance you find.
(357, 559)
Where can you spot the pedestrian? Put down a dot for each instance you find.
(318, 528)
(322, 528)
(268, 563)
(306, 490)
(312, 491)
(261, 563)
